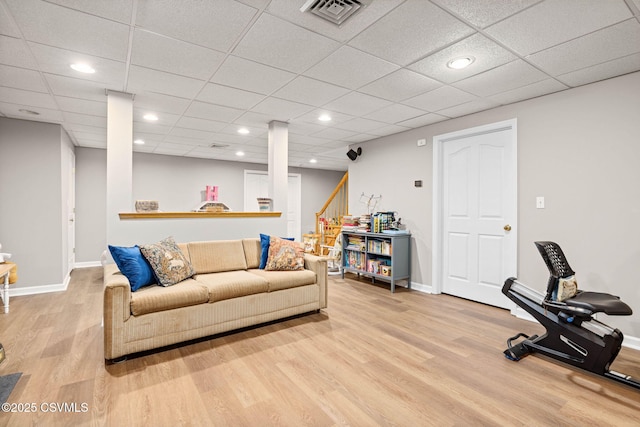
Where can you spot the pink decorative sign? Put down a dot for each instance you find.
(211, 193)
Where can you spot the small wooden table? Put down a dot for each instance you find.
(5, 270)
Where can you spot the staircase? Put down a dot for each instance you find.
(329, 218)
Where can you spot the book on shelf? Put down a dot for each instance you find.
(382, 247)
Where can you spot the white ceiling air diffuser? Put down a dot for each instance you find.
(335, 11)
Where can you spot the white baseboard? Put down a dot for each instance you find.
(420, 287)
(42, 289)
(87, 264)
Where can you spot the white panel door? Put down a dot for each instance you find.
(478, 215)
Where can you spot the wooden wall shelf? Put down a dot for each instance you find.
(177, 215)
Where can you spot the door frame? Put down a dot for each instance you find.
(438, 192)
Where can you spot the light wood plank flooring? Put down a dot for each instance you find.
(371, 358)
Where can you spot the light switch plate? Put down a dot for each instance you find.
(540, 202)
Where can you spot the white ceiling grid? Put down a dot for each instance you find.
(206, 68)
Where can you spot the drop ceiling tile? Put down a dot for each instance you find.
(32, 99)
(58, 61)
(373, 11)
(617, 67)
(400, 85)
(410, 31)
(92, 144)
(213, 24)
(487, 12)
(46, 114)
(278, 43)
(162, 53)
(310, 91)
(312, 117)
(395, 113)
(202, 110)
(53, 25)
(229, 96)
(172, 149)
(281, 109)
(76, 88)
(333, 133)
(118, 10)
(248, 75)
(82, 106)
(357, 104)
(468, 108)
(506, 77)
(197, 135)
(75, 127)
(533, 90)
(360, 125)
(150, 128)
(19, 78)
(85, 119)
(555, 21)
(350, 68)
(7, 26)
(15, 52)
(361, 137)
(443, 97)
(601, 46)
(164, 119)
(388, 130)
(254, 132)
(251, 118)
(160, 103)
(486, 53)
(200, 124)
(145, 79)
(425, 120)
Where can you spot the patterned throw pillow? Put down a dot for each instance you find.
(167, 261)
(285, 255)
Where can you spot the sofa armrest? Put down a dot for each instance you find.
(318, 265)
(117, 294)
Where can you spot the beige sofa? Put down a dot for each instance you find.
(227, 292)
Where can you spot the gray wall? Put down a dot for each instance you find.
(33, 199)
(578, 148)
(177, 183)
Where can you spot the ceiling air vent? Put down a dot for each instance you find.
(218, 145)
(335, 11)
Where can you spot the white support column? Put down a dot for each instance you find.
(119, 160)
(279, 167)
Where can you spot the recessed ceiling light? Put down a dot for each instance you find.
(83, 68)
(324, 118)
(243, 131)
(460, 63)
(138, 141)
(151, 117)
(31, 112)
(313, 161)
(239, 153)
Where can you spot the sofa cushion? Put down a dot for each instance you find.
(252, 252)
(151, 299)
(216, 256)
(231, 284)
(278, 280)
(265, 243)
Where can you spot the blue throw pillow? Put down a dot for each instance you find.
(133, 265)
(264, 246)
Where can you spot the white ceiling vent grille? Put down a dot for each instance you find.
(218, 145)
(335, 11)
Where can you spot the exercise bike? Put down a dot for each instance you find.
(572, 335)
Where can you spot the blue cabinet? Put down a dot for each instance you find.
(380, 256)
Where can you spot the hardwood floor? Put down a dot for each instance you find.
(371, 358)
